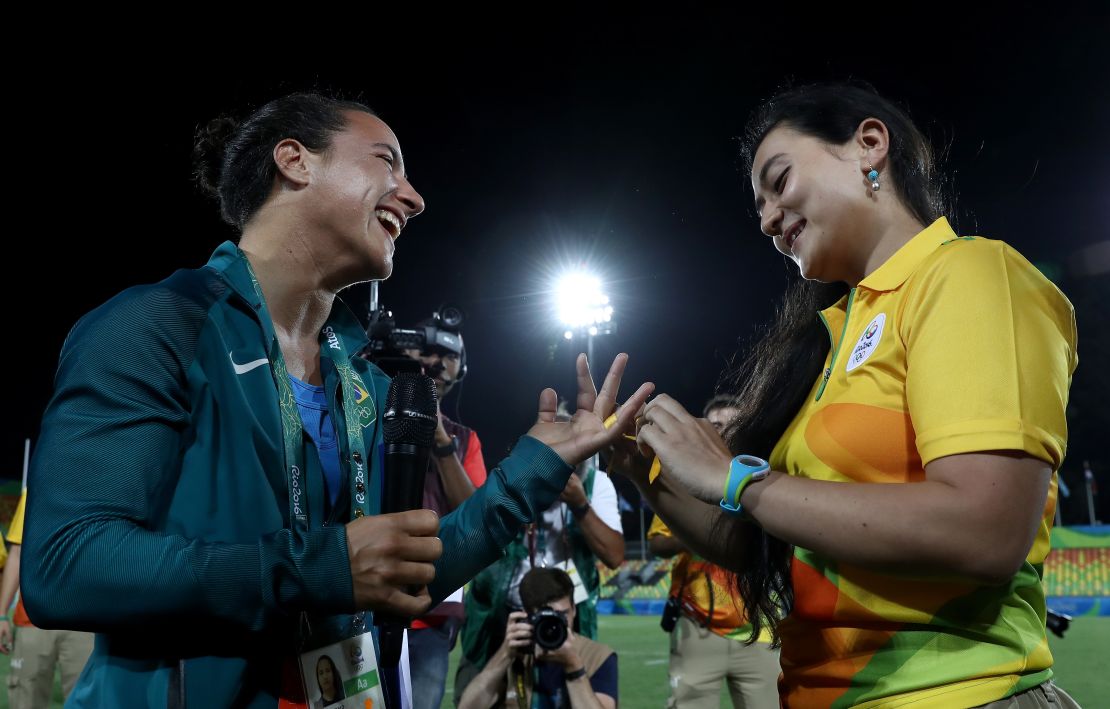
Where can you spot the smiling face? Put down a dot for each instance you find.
(814, 203)
(358, 200)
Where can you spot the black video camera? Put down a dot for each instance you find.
(388, 342)
(549, 628)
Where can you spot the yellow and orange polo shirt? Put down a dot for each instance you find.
(954, 345)
(15, 536)
(693, 579)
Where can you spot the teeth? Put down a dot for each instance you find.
(388, 218)
(796, 234)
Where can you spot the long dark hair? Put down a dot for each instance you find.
(233, 162)
(336, 680)
(779, 371)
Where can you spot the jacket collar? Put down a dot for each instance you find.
(231, 263)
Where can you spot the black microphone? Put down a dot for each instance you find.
(409, 429)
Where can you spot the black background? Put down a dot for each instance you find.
(540, 143)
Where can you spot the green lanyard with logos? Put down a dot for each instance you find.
(358, 412)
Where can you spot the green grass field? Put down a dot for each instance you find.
(1081, 661)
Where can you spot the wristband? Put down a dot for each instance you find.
(580, 512)
(446, 450)
(742, 470)
(577, 674)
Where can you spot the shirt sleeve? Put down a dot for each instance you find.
(474, 464)
(604, 502)
(604, 681)
(990, 350)
(518, 490)
(15, 530)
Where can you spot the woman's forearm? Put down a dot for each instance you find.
(975, 530)
(605, 542)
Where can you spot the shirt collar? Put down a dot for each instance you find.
(896, 269)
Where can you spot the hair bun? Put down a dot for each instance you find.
(209, 143)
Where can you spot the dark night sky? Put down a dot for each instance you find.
(611, 141)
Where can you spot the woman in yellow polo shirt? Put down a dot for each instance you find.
(910, 402)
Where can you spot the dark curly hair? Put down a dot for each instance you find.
(233, 161)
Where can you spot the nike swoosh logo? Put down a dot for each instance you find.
(244, 368)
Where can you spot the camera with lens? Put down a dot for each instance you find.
(388, 342)
(549, 628)
(671, 612)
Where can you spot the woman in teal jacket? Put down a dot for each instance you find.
(180, 506)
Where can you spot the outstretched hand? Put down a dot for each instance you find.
(585, 433)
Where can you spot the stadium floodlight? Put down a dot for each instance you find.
(580, 301)
(582, 307)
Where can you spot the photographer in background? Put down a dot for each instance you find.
(573, 534)
(576, 674)
(707, 622)
(455, 470)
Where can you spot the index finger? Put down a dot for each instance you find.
(418, 523)
(419, 549)
(627, 413)
(663, 402)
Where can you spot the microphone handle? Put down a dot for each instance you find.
(390, 635)
(406, 466)
(389, 660)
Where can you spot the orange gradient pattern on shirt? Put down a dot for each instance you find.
(865, 443)
(825, 661)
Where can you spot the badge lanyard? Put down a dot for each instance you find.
(292, 429)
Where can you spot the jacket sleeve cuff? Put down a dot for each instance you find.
(516, 492)
(308, 571)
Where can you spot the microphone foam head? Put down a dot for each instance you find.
(411, 410)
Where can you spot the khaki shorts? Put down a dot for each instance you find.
(1045, 695)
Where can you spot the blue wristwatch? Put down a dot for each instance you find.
(742, 470)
